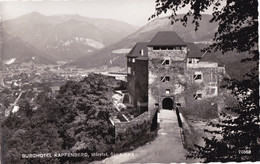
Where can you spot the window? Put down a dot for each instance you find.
(163, 48)
(133, 60)
(167, 48)
(156, 48)
(165, 79)
(142, 52)
(197, 77)
(212, 91)
(129, 70)
(197, 96)
(133, 72)
(167, 91)
(192, 60)
(166, 62)
(129, 59)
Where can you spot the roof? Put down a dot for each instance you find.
(136, 50)
(166, 38)
(194, 51)
(210, 57)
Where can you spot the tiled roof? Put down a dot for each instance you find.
(194, 51)
(166, 38)
(210, 57)
(169, 38)
(136, 50)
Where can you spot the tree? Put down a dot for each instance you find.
(237, 19)
(25, 108)
(237, 135)
(86, 107)
(237, 31)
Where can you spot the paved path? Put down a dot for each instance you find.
(166, 148)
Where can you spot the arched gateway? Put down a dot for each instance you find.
(167, 103)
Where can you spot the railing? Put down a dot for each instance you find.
(180, 122)
(178, 117)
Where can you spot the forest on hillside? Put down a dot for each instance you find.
(75, 121)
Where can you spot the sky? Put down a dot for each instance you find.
(135, 12)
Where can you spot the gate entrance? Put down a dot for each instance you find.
(167, 103)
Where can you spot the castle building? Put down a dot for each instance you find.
(167, 72)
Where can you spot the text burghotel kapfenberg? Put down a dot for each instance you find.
(71, 155)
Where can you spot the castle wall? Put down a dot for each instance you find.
(138, 81)
(207, 86)
(186, 81)
(175, 87)
(130, 78)
(141, 85)
(169, 73)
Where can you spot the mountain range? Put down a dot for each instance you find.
(98, 43)
(67, 37)
(15, 50)
(114, 55)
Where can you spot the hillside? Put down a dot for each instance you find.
(67, 37)
(75, 121)
(114, 55)
(14, 50)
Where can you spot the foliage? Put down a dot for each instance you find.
(133, 135)
(6, 97)
(77, 120)
(24, 136)
(237, 19)
(236, 137)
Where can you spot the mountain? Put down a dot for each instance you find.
(67, 37)
(14, 50)
(114, 55)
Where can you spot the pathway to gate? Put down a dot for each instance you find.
(166, 148)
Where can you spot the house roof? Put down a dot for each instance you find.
(166, 38)
(210, 57)
(194, 51)
(136, 50)
(170, 38)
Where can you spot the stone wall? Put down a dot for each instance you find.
(141, 84)
(187, 135)
(138, 81)
(175, 87)
(133, 133)
(139, 122)
(130, 78)
(182, 85)
(207, 86)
